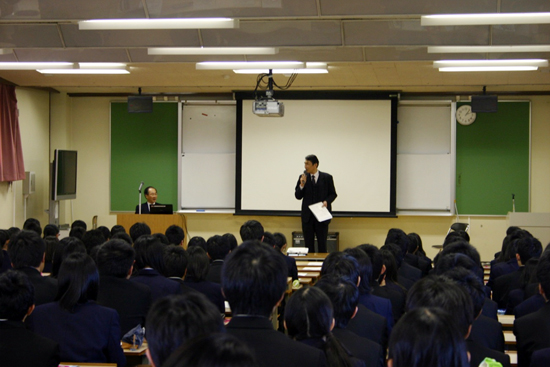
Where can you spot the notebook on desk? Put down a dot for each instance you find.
(161, 209)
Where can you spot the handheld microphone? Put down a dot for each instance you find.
(140, 186)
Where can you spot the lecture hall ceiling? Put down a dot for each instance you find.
(368, 44)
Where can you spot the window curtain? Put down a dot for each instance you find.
(12, 167)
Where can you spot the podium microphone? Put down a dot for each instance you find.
(140, 186)
(139, 202)
(513, 203)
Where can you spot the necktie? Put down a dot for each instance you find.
(313, 179)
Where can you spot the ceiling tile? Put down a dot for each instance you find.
(72, 54)
(29, 35)
(520, 34)
(524, 5)
(321, 54)
(140, 55)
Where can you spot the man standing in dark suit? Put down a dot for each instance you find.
(313, 187)
(151, 197)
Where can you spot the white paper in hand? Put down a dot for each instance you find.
(321, 212)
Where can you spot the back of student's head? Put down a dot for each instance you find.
(213, 350)
(79, 223)
(375, 257)
(342, 265)
(77, 232)
(472, 284)
(92, 239)
(415, 243)
(78, 281)
(397, 252)
(26, 249)
(149, 253)
(197, 241)
(117, 228)
(175, 319)
(51, 243)
(175, 261)
(139, 229)
(115, 258)
(527, 248)
(390, 263)
(463, 247)
(217, 247)
(175, 235)
(162, 238)
(51, 230)
(252, 230)
(16, 295)
(442, 292)
(269, 239)
(364, 268)
(424, 337)
(67, 246)
(254, 278)
(122, 236)
(543, 273)
(398, 237)
(198, 263)
(32, 224)
(451, 261)
(280, 241)
(232, 241)
(344, 296)
(4, 237)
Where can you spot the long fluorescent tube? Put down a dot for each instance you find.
(212, 50)
(497, 63)
(484, 19)
(83, 71)
(169, 23)
(486, 49)
(102, 65)
(487, 68)
(35, 65)
(232, 65)
(311, 68)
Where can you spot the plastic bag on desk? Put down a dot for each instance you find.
(134, 338)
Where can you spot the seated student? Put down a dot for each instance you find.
(438, 291)
(309, 319)
(405, 269)
(117, 228)
(425, 337)
(77, 232)
(175, 235)
(527, 286)
(51, 243)
(217, 248)
(92, 239)
(5, 262)
(344, 296)
(279, 244)
(252, 230)
(162, 238)
(197, 270)
(254, 281)
(217, 349)
(232, 241)
(366, 323)
(115, 260)
(415, 248)
(106, 232)
(85, 331)
(139, 229)
(26, 252)
(197, 241)
(505, 262)
(32, 224)
(20, 347)
(394, 266)
(51, 230)
(176, 260)
(150, 267)
(79, 224)
(532, 330)
(66, 247)
(175, 319)
(123, 236)
(530, 305)
(541, 358)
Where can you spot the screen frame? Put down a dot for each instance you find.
(58, 154)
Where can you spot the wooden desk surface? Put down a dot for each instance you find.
(138, 352)
(319, 256)
(509, 337)
(506, 320)
(513, 357)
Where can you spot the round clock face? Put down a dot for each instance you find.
(464, 115)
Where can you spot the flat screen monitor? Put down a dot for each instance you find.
(140, 104)
(484, 103)
(161, 209)
(64, 175)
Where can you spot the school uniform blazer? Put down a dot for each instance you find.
(91, 333)
(541, 358)
(397, 298)
(490, 309)
(409, 272)
(20, 347)
(367, 350)
(131, 300)
(212, 291)
(324, 191)
(369, 325)
(273, 348)
(160, 285)
(291, 265)
(488, 333)
(532, 333)
(530, 305)
(504, 284)
(380, 306)
(215, 272)
(45, 288)
(499, 269)
(478, 353)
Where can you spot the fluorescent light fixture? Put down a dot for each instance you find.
(486, 49)
(83, 71)
(486, 63)
(232, 65)
(484, 19)
(487, 68)
(102, 65)
(212, 50)
(311, 68)
(169, 23)
(35, 65)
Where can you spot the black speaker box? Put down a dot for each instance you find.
(484, 103)
(140, 104)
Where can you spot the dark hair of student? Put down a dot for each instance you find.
(280, 241)
(391, 265)
(78, 281)
(423, 338)
(162, 238)
(251, 230)
(149, 253)
(117, 228)
(175, 261)
(77, 232)
(365, 268)
(139, 229)
(197, 241)
(342, 265)
(214, 350)
(471, 283)
(254, 278)
(450, 261)
(217, 247)
(232, 241)
(398, 255)
(313, 159)
(51, 243)
(415, 244)
(543, 273)
(375, 257)
(16, 295)
(4, 237)
(32, 224)
(51, 230)
(398, 237)
(508, 249)
(115, 258)
(122, 236)
(26, 249)
(308, 314)
(106, 232)
(344, 296)
(269, 239)
(175, 234)
(198, 264)
(67, 246)
(175, 319)
(463, 247)
(527, 248)
(93, 238)
(79, 223)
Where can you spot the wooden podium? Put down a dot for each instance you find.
(157, 222)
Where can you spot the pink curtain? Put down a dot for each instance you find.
(11, 151)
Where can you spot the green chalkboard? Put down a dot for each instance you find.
(492, 161)
(144, 147)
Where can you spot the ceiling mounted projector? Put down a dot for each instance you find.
(268, 108)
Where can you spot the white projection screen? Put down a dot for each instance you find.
(354, 140)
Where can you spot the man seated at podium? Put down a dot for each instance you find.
(151, 196)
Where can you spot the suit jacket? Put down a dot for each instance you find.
(291, 265)
(504, 284)
(541, 358)
(5, 264)
(379, 305)
(425, 264)
(499, 269)
(370, 325)
(324, 191)
(212, 291)
(532, 333)
(273, 348)
(160, 285)
(45, 288)
(367, 350)
(478, 353)
(20, 347)
(215, 272)
(490, 309)
(410, 272)
(488, 333)
(131, 300)
(530, 305)
(319, 343)
(89, 334)
(397, 298)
